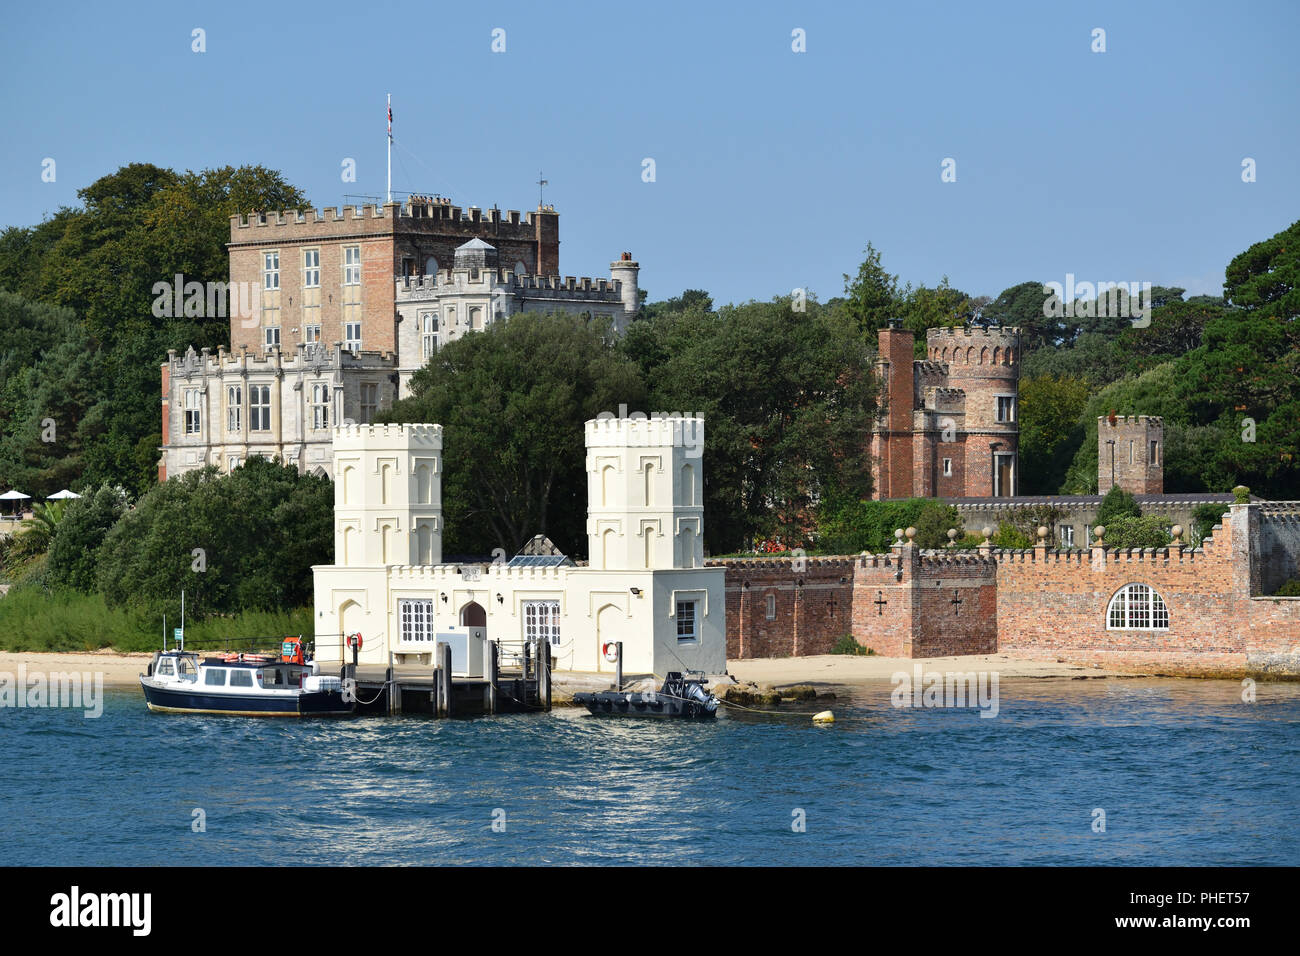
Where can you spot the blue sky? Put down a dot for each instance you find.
(773, 168)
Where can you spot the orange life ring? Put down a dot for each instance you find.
(354, 640)
(611, 652)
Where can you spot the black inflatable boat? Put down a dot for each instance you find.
(679, 696)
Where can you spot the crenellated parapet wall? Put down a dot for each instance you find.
(1037, 601)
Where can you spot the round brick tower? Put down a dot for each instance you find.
(985, 365)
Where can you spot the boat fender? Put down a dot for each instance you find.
(825, 717)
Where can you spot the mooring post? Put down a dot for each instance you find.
(444, 681)
(393, 690)
(528, 656)
(544, 673)
(618, 667)
(492, 672)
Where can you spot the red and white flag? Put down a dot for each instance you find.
(390, 118)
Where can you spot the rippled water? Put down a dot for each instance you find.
(1186, 772)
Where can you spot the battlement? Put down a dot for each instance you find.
(453, 576)
(1132, 421)
(930, 368)
(299, 358)
(774, 563)
(386, 436)
(657, 431)
(419, 214)
(968, 335)
(534, 286)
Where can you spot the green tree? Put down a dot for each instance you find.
(513, 402)
(1051, 430)
(787, 398)
(871, 297)
(1117, 503)
(1137, 531)
(85, 524)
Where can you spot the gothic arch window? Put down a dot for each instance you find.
(997, 355)
(1137, 607)
(970, 355)
(984, 355)
(945, 355)
(521, 269)
(431, 266)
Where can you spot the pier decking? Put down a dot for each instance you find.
(436, 691)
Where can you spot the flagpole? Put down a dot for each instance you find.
(390, 147)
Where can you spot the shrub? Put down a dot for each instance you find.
(1148, 531)
(847, 644)
(1009, 536)
(1118, 503)
(1204, 518)
(1289, 589)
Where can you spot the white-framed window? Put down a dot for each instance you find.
(193, 411)
(259, 408)
(1006, 408)
(272, 336)
(1137, 607)
(771, 607)
(686, 630)
(352, 265)
(311, 269)
(1067, 535)
(352, 336)
(369, 402)
(415, 620)
(947, 467)
(232, 463)
(542, 619)
(234, 407)
(320, 406)
(428, 333)
(311, 335)
(271, 270)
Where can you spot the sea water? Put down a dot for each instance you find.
(1137, 771)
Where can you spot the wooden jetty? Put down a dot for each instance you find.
(411, 689)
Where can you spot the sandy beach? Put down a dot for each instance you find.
(123, 670)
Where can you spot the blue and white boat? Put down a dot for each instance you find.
(246, 685)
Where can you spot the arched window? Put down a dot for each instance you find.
(1137, 607)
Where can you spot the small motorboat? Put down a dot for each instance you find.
(679, 696)
(246, 685)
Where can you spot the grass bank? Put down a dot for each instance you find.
(65, 620)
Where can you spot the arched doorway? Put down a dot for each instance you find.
(608, 621)
(350, 615)
(473, 615)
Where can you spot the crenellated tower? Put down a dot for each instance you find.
(645, 493)
(1130, 453)
(387, 495)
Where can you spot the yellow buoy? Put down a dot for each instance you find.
(825, 717)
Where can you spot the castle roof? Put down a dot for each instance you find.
(474, 245)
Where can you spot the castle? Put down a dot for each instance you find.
(646, 583)
(346, 307)
(948, 427)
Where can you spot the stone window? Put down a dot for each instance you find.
(272, 337)
(232, 463)
(771, 607)
(234, 407)
(947, 467)
(369, 402)
(686, 622)
(270, 270)
(1006, 408)
(352, 336)
(1153, 458)
(415, 618)
(311, 336)
(428, 334)
(311, 269)
(259, 408)
(352, 265)
(193, 411)
(542, 619)
(320, 406)
(1137, 607)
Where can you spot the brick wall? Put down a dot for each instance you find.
(1038, 602)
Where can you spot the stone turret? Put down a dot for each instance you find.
(1130, 453)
